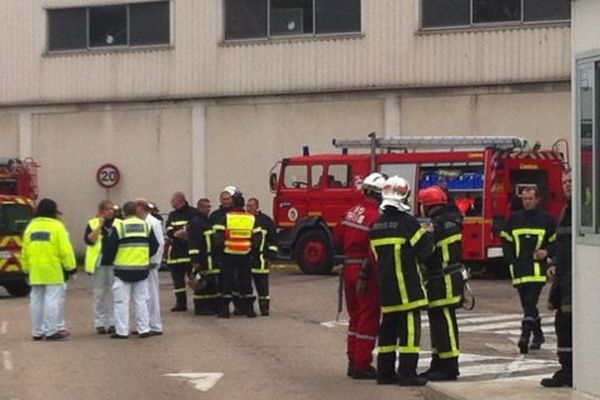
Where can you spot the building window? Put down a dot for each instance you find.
(465, 13)
(260, 19)
(588, 100)
(128, 25)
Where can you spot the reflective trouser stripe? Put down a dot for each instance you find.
(180, 290)
(454, 352)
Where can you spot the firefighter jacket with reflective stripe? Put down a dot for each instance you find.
(199, 240)
(400, 244)
(563, 258)
(137, 243)
(104, 249)
(47, 252)
(264, 234)
(525, 232)
(444, 278)
(177, 220)
(234, 233)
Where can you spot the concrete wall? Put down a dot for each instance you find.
(9, 135)
(544, 117)
(150, 146)
(586, 280)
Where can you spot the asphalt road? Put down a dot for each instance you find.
(296, 353)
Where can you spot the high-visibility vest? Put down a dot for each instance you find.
(93, 252)
(238, 233)
(134, 244)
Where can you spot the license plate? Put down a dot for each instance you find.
(4, 254)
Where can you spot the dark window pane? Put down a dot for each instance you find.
(446, 13)
(338, 16)
(67, 29)
(291, 17)
(108, 26)
(149, 23)
(496, 10)
(586, 112)
(245, 19)
(547, 10)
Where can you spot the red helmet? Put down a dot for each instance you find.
(433, 195)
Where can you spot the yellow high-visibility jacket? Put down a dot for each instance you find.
(47, 252)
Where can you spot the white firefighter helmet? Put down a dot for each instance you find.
(232, 190)
(373, 182)
(395, 193)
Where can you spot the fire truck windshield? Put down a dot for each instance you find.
(14, 218)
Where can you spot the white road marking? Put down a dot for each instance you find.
(334, 323)
(506, 368)
(203, 381)
(3, 327)
(7, 360)
(488, 318)
(517, 332)
(498, 325)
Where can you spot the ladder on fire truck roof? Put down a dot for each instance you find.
(434, 142)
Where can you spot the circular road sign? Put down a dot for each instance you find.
(108, 176)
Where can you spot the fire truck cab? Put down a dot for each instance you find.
(483, 176)
(18, 191)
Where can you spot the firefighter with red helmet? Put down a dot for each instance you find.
(444, 283)
(360, 278)
(399, 244)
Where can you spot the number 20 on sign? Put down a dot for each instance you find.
(108, 176)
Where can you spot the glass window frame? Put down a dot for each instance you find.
(279, 37)
(476, 25)
(93, 49)
(586, 63)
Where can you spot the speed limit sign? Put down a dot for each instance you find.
(108, 176)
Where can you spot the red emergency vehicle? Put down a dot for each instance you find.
(483, 175)
(18, 191)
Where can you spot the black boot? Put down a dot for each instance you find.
(433, 366)
(181, 302)
(538, 335)
(263, 305)
(201, 307)
(526, 328)
(562, 377)
(407, 371)
(447, 370)
(249, 307)
(385, 369)
(224, 312)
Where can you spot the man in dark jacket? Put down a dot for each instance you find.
(266, 252)
(560, 298)
(527, 239)
(178, 258)
(444, 283)
(399, 244)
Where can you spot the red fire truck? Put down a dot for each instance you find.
(18, 191)
(483, 175)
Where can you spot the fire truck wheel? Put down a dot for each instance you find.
(314, 253)
(17, 289)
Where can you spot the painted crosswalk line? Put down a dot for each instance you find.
(202, 381)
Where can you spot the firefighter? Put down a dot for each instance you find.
(101, 247)
(48, 258)
(206, 292)
(137, 244)
(444, 283)
(361, 287)
(144, 212)
(399, 244)
(527, 237)
(561, 298)
(233, 238)
(266, 252)
(178, 258)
